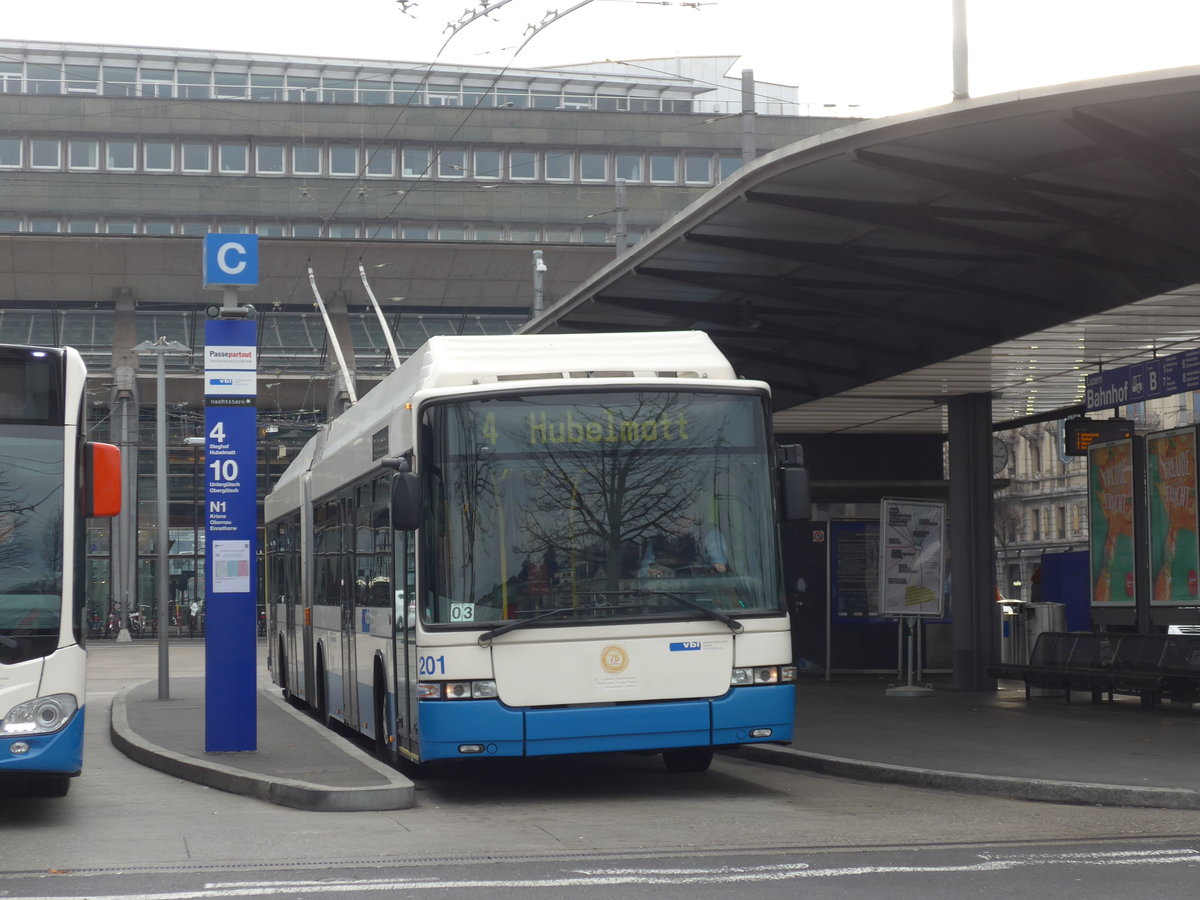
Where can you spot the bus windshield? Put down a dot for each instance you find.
(31, 541)
(593, 505)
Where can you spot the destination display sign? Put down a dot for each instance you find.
(1081, 433)
(1159, 377)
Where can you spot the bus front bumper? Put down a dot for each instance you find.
(456, 729)
(60, 753)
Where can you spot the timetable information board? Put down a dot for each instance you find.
(912, 558)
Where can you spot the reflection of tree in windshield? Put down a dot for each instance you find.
(615, 493)
(30, 520)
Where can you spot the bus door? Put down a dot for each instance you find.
(347, 593)
(404, 649)
(307, 570)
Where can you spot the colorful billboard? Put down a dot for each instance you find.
(1174, 542)
(1110, 513)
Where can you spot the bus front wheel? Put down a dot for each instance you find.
(689, 759)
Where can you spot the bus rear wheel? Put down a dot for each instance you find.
(689, 759)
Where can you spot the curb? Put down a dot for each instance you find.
(1036, 789)
(399, 793)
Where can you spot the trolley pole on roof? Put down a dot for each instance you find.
(160, 348)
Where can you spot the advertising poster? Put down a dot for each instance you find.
(1174, 543)
(1110, 515)
(912, 560)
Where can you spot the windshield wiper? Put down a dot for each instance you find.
(485, 639)
(729, 621)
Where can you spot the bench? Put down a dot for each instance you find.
(1153, 667)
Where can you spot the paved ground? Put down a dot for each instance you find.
(994, 743)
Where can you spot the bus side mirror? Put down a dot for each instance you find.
(794, 493)
(406, 501)
(101, 480)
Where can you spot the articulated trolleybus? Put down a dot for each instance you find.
(541, 544)
(51, 479)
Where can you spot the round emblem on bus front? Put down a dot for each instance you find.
(614, 659)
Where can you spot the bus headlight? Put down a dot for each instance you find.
(457, 690)
(763, 675)
(45, 715)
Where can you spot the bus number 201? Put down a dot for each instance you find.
(432, 665)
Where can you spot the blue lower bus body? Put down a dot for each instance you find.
(60, 753)
(448, 725)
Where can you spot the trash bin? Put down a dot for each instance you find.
(1013, 648)
(1042, 617)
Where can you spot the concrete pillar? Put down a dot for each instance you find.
(973, 608)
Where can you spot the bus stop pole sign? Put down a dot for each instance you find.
(230, 573)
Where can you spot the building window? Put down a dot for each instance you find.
(230, 85)
(727, 165)
(1035, 524)
(558, 165)
(158, 83)
(452, 163)
(306, 231)
(116, 227)
(82, 154)
(197, 158)
(559, 235)
(158, 156)
(306, 160)
(663, 169)
(343, 160)
(158, 228)
(195, 85)
(120, 156)
(489, 233)
(338, 90)
(593, 166)
(1035, 455)
(381, 162)
(268, 159)
(415, 162)
(43, 226)
(593, 235)
(487, 164)
(303, 88)
(9, 225)
(45, 154)
(266, 87)
(1060, 524)
(233, 159)
(343, 231)
(10, 153)
(522, 165)
(629, 166)
(697, 169)
(44, 78)
(120, 81)
(82, 79)
(452, 232)
(83, 226)
(381, 232)
(415, 233)
(375, 90)
(269, 229)
(524, 235)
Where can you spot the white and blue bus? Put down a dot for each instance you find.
(541, 544)
(51, 480)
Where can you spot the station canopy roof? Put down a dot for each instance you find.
(1009, 245)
